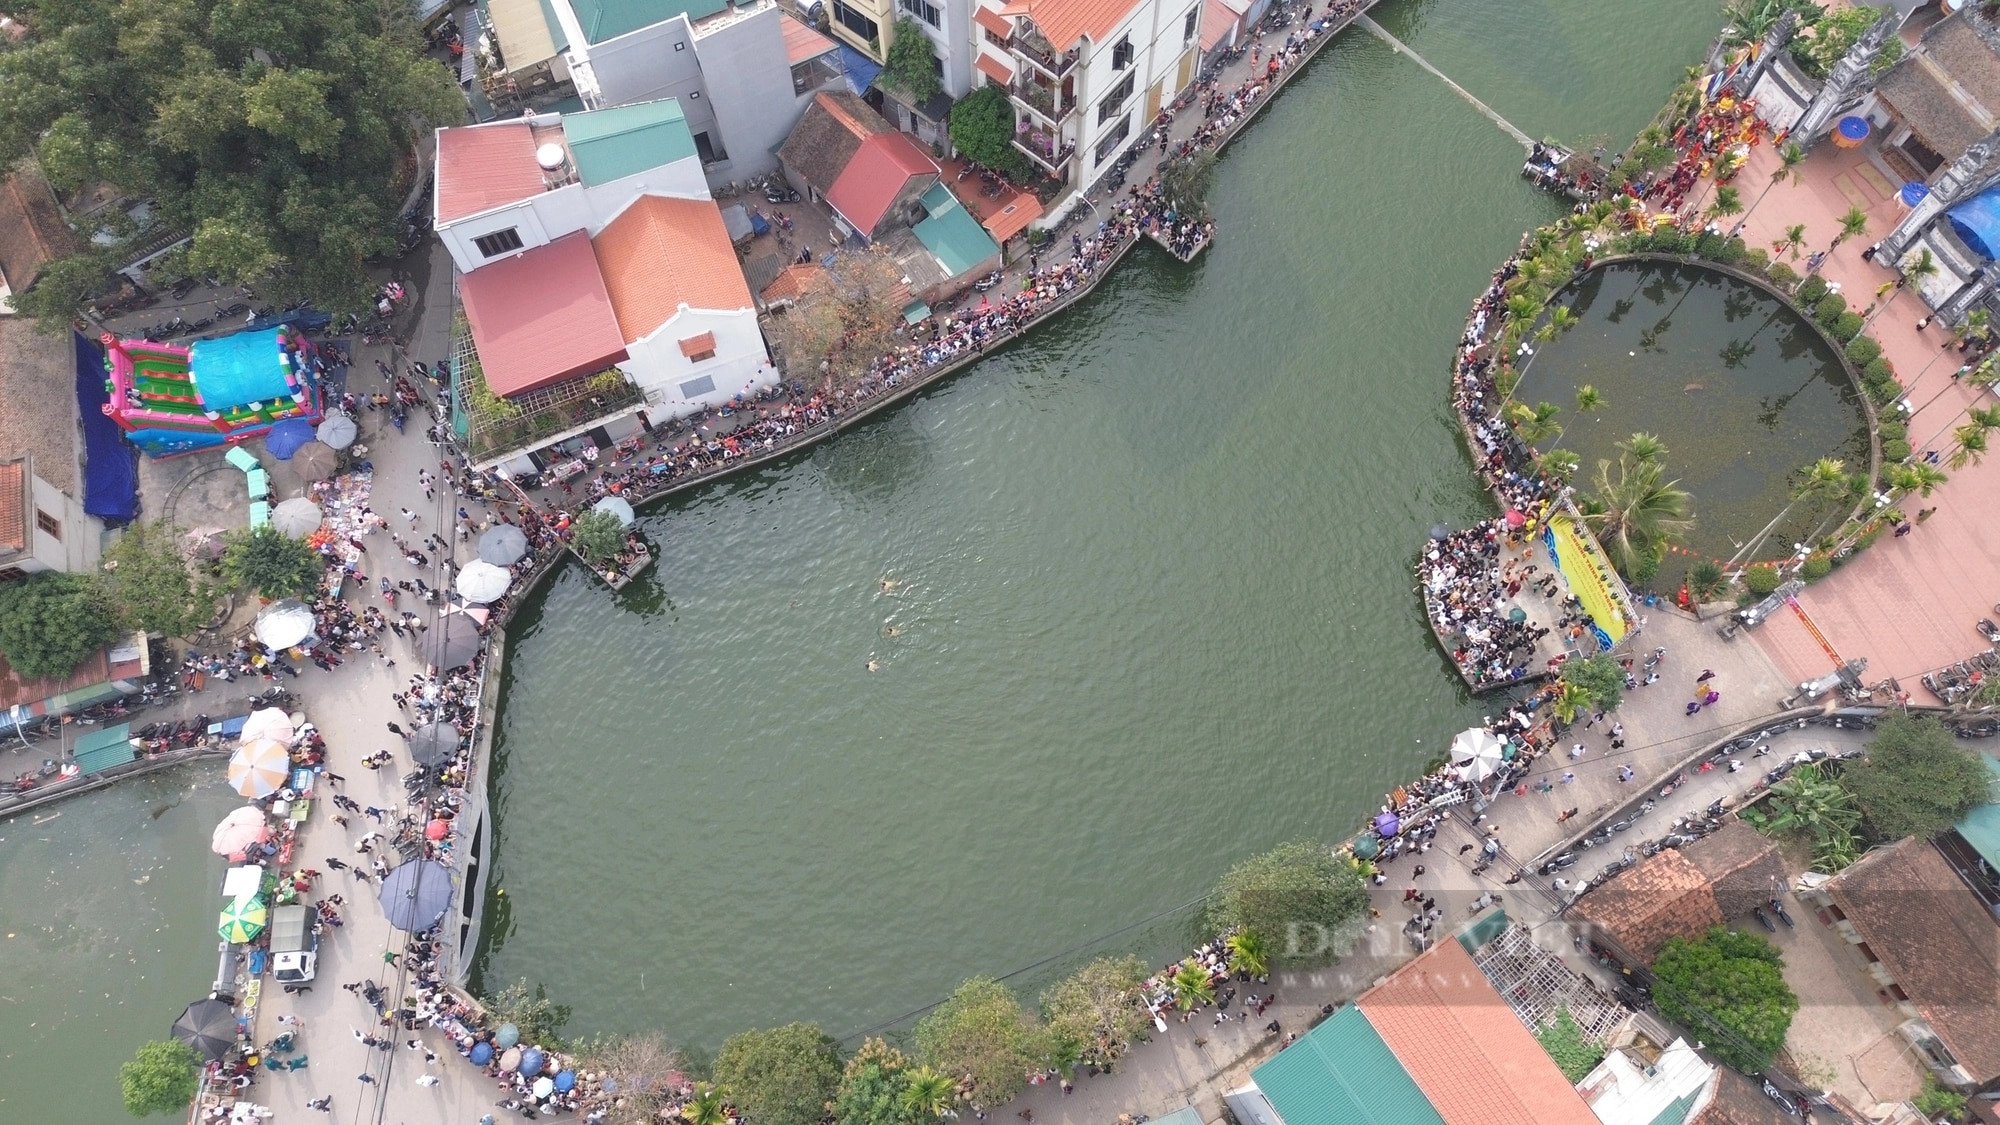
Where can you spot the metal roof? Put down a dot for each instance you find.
(952, 234)
(611, 144)
(1342, 1073)
(1981, 826)
(608, 19)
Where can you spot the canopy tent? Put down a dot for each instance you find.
(297, 517)
(259, 769)
(1977, 222)
(338, 431)
(482, 582)
(1479, 751)
(239, 831)
(416, 894)
(433, 743)
(209, 1026)
(284, 623)
(503, 545)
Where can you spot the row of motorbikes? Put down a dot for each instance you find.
(1955, 682)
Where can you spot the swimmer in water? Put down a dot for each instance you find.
(874, 665)
(889, 584)
(893, 631)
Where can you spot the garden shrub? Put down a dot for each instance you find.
(1782, 275)
(1644, 569)
(1707, 245)
(1732, 251)
(1758, 258)
(1893, 431)
(1811, 290)
(1877, 370)
(1884, 393)
(1863, 350)
(1829, 309)
(1817, 566)
(1847, 326)
(1761, 579)
(1897, 450)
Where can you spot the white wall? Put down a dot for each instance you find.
(644, 66)
(79, 546)
(1154, 29)
(750, 87)
(740, 365)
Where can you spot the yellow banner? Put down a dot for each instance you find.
(1586, 577)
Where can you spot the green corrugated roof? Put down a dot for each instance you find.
(611, 144)
(1486, 929)
(1341, 1073)
(952, 233)
(556, 33)
(105, 748)
(1677, 1110)
(1187, 1115)
(608, 19)
(1981, 826)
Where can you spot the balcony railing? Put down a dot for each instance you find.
(1036, 51)
(1045, 101)
(1043, 151)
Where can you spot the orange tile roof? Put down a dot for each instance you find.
(1472, 1057)
(868, 186)
(993, 68)
(794, 282)
(802, 42)
(17, 690)
(1665, 896)
(481, 167)
(993, 21)
(13, 506)
(1014, 218)
(695, 345)
(1064, 22)
(541, 317)
(664, 253)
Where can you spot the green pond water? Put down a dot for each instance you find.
(1741, 389)
(1155, 615)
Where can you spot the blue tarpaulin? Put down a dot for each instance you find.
(1977, 222)
(110, 463)
(859, 68)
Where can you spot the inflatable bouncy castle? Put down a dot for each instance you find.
(171, 400)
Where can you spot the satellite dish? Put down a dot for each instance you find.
(551, 157)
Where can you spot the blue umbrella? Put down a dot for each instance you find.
(1913, 193)
(565, 1081)
(1388, 824)
(1850, 132)
(482, 1053)
(415, 895)
(506, 1036)
(531, 1062)
(285, 438)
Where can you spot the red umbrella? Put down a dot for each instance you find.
(437, 829)
(1515, 518)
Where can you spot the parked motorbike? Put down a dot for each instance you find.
(1778, 908)
(1764, 919)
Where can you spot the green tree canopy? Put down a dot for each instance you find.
(1600, 678)
(981, 1034)
(982, 128)
(1300, 896)
(278, 135)
(910, 68)
(52, 622)
(1638, 512)
(161, 1078)
(1096, 1009)
(1574, 1055)
(598, 536)
(872, 1087)
(784, 1076)
(147, 579)
(539, 1019)
(1728, 988)
(1916, 780)
(274, 565)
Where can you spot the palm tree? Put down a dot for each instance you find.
(1812, 804)
(1971, 446)
(1571, 700)
(1639, 512)
(1823, 479)
(705, 1108)
(927, 1095)
(1706, 582)
(1852, 225)
(1727, 202)
(1536, 424)
(1247, 953)
(1644, 448)
(1589, 398)
(1915, 476)
(1192, 988)
(1982, 419)
(1795, 237)
(1913, 272)
(1790, 156)
(1561, 463)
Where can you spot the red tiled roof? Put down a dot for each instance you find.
(802, 42)
(993, 68)
(663, 253)
(1063, 22)
(993, 21)
(13, 506)
(481, 167)
(542, 317)
(17, 691)
(1665, 896)
(875, 176)
(1937, 942)
(695, 345)
(794, 282)
(1014, 218)
(1472, 1057)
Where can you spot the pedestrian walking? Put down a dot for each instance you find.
(325, 1104)
(364, 1076)
(427, 1079)
(1568, 777)
(336, 865)
(1624, 774)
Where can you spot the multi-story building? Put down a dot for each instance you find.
(1086, 76)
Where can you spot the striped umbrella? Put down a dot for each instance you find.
(242, 920)
(259, 769)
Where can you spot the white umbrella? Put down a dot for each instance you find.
(337, 431)
(617, 506)
(297, 517)
(481, 581)
(284, 623)
(259, 769)
(271, 722)
(1480, 750)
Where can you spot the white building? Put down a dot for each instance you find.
(588, 246)
(1087, 77)
(41, 526)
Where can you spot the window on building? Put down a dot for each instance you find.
(695, 388)
(999, 41)
(1121, 55)
(1108, 147)
(499, 242)
(923, 10)
(698, 357)
(48, 524)
(1188, 25)
(1115, 100)
(856, 22)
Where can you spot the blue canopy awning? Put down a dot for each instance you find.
(859, 68)
(1977, 222)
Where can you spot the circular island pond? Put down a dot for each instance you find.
(1742, 390)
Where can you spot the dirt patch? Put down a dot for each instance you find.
(38, 401)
